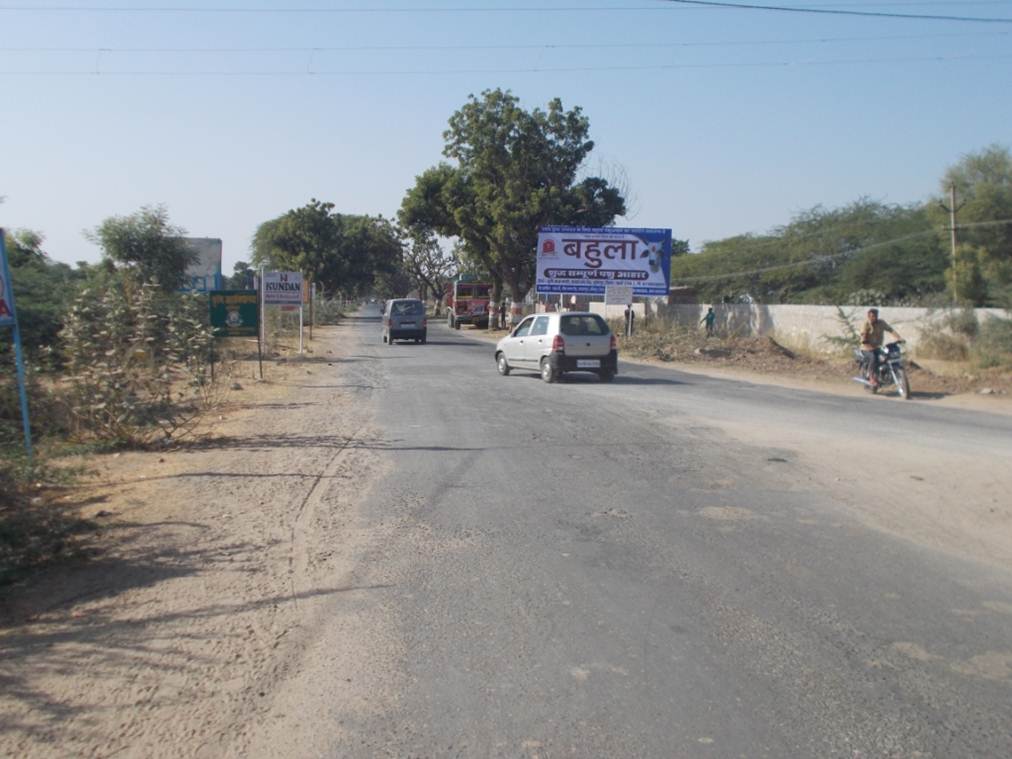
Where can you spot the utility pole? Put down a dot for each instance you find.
(952, 208)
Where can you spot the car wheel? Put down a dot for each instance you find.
(607, 375)
(384, 338)
(548, 374)
(423, 341)
(502, 364)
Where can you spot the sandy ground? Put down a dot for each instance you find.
(214, 562)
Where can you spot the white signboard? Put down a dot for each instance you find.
(588, 260)
(204, 273)
(618, 295)
(282, 288)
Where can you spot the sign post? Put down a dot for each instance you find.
(235, 313)
(9, 318)
(284, 288)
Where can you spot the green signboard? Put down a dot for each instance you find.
(234, 313)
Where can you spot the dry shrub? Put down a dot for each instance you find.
(137, 363)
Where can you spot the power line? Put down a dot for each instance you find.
(834, 256)
(530, 70)
(838, 12)
(529, 46)
(808, 8)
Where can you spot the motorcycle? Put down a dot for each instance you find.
(890, 370)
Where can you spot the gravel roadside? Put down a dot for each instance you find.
(174, 640)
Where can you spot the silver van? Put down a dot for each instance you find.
(554, 344)
(404, 319)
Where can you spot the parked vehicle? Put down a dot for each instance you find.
(559, 343)
(404, 319)
(467, 303)
(891, 371)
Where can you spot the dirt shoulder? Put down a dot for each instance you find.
(212, 562)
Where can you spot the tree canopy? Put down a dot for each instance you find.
(148, 244)
(983, 183)
(865, 249)
(42, 288)
(343, 253)
(514, 171)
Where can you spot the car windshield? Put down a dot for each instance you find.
(584, 324)
(407, 308)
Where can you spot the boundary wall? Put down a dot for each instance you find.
(803, 327)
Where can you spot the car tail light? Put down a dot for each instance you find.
(558, 344)
(425, 322)
(614, 342)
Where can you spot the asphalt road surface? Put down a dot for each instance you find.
(606, 570)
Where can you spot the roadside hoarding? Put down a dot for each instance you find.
(204, 274)
(282, 288)
(234, 313)
(586, 260)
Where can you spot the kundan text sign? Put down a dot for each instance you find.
(282, 288)
(587, 260)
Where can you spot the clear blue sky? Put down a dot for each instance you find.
(717, 144)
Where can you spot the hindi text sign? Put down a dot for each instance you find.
(587, 260)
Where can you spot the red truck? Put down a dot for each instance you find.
(467, 303)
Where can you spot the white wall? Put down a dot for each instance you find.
(807, 327)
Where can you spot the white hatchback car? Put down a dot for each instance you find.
(557, 343)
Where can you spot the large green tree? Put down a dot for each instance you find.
(514, 171)
(147, 244)
(343, 253)
(824, 255)
(42, 288)
(983, 184)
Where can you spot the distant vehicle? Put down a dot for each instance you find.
(559, 343)
(404, 319)
(467, 303)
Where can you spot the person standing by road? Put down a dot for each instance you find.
(710, 319)
(872, 335)
(630, 320)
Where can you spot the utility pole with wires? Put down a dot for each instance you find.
(952, 209)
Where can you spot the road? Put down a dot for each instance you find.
(672, 565)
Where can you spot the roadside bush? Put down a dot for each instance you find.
(137, 361)
(33, 531)
(943, 346)
(963, 322)
(993, 346)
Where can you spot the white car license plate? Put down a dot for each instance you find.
(407, 324)
(588, 363)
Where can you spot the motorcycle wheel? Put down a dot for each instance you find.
(902, 384)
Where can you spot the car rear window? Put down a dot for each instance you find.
(585, 324)
(407, 308)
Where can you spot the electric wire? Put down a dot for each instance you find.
(661, 5)
(309, 72)
(839, 12)
(829, 257)
(527, 46)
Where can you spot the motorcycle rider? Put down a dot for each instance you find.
(872, 335)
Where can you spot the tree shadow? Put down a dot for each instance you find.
(66, 620)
